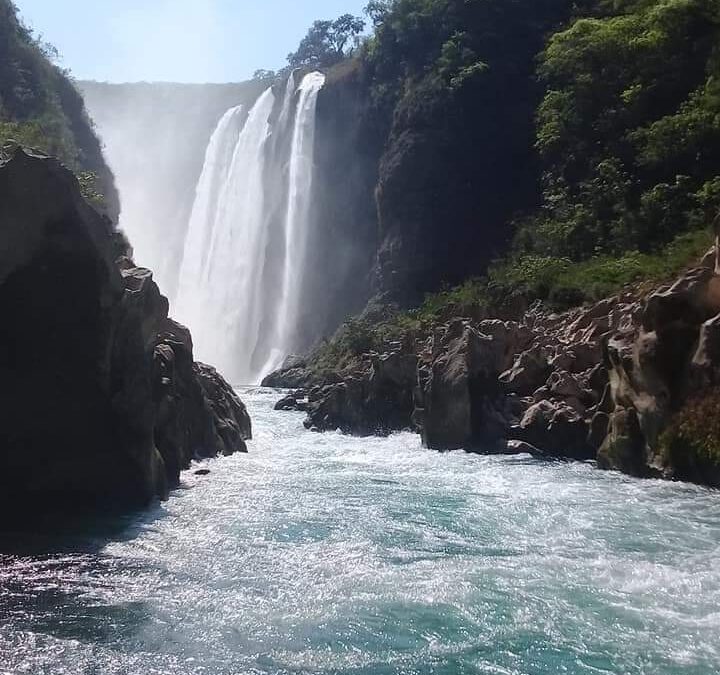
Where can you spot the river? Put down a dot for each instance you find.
(336, 555)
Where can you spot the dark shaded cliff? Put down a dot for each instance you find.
(102, 405)
(347, 152)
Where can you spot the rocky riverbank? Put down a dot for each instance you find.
(103, 404)
(618, 381)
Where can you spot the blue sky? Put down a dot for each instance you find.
(176, 40)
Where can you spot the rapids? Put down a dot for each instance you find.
(329, 554)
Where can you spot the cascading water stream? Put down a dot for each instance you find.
(297, 220)
(218, 156)
(234, 249)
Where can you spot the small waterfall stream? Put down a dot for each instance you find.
(241, 282)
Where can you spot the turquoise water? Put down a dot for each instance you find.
(327, 554)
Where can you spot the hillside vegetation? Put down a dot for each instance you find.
(40, 108)
(535, 150)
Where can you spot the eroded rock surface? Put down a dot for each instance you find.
(616, 381)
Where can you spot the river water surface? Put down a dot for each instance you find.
(328, 554)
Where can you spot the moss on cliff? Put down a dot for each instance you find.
(690, 446)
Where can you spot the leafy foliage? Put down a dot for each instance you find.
(41, 109)
(563, 283)
(619, 99)
(691, 443)
(629, 129)
(327, 42)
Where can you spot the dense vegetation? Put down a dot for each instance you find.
(597, 123)
(628, 130)
(40, 108)
(552, 150)
(327, 42)
(454, 85)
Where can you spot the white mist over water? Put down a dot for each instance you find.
(155, 137)
(239, 324)
(332, 555)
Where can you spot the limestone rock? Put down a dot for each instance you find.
(669, 355)
(556, 429)
(530, 370)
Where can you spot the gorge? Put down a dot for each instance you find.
(320, 554)
(402, 359)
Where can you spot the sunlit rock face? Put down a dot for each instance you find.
(154, 137)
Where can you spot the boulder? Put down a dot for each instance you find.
(556, 429)
(462, 388)
(229, 417)
(288, 402)
(289, 378)
(530, 370)
(102, 406)
(366, 402)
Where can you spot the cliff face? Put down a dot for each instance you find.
(347, 151)
(155, 136)
(102, 403)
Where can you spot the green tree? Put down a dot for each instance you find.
(377, 11)
(264, 74)
(629, 128)
(327, 42)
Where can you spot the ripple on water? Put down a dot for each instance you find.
(328, 554)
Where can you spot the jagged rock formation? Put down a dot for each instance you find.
(102, 404)
(668, 359)
(618, 381)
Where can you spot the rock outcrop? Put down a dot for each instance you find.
(102, 404)
(662, 364)
(625, 381)
(374, 399)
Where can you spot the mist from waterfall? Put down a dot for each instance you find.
(241, 277)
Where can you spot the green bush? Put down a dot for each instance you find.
(691, 443)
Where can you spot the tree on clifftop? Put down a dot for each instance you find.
(327, 42)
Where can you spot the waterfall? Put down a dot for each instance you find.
(241, 278)
(296, 222)
(218, 156)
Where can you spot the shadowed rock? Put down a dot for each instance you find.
(102, 405)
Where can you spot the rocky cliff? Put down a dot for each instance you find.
(103, 404)
(347, 151)
(631, 381)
